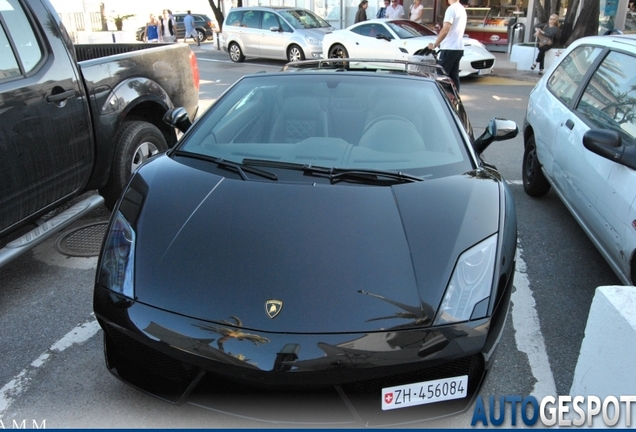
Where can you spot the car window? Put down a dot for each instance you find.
(303, 19)
(609, 100)
(8, 62)
(335, 121)
(20, 31)
(568, 75)
(409, 29)
(234, 18)
(371, 30)
(269, 20)
(251, 19)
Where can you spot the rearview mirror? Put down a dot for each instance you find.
(609, 144)
(497, 130)
(178, 118)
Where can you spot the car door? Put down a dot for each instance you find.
(602, 190)
(550, 110)
(46, 149)
(273, 42)
(374, 40)
(250, 32)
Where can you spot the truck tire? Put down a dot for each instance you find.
(136, 142)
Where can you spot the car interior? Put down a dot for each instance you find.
(334, 122)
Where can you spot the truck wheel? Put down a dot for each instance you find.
(135, 142)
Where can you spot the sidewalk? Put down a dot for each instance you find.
(505, 68)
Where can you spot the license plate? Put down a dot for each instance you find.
(424, 392)
(484, 71)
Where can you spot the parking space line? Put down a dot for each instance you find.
(528, 334)
(11, 390)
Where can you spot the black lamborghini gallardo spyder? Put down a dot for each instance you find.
(323, 244)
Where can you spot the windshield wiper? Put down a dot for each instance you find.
(363, 175)
(236, 166)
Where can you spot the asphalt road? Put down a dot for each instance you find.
(52, 367)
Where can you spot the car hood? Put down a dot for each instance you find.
(318, 33)
(340, 258)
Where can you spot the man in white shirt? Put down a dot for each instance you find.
(450, 40)
(395, 10)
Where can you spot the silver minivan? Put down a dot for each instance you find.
(285, 33)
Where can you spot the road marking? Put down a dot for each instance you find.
(528, 334)
(12, 390)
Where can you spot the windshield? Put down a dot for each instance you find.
(303, 19)
(409, 29)
(334, 120)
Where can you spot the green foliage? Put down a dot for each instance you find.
(119, 20)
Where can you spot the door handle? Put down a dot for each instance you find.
(569, 124)
(59, 97)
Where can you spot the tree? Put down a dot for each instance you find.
(119, 21)
(217, 14)
(573, 27)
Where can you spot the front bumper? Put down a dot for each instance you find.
(181, 359)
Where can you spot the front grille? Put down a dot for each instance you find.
(482, 64)
(371, 389)
(150, 359)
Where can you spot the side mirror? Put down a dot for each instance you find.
(497, 130)
(609, 144)
(178, 118)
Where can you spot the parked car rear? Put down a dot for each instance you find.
(284, 33)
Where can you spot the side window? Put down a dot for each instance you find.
(251, 19)
(363, 30)
(234, 18)
(8, 63)
(18, 28)
(286, 27)
(269, 21)
(569, 74)
(609, 100)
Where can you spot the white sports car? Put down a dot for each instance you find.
(399, 39)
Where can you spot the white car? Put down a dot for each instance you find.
(399, 39)
(580, 140)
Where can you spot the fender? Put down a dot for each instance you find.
(135, 98)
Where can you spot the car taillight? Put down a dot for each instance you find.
(194, 66)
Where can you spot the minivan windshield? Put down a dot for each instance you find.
(303, 19)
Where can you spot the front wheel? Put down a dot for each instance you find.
(295, 53)
(236, 55)
(534, 182)
(338, 51)
(136, 142)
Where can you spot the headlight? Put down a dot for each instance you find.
(117, 264)
(312, 40)
(470, 284)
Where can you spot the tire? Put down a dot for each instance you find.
(534, 182)
(295, 53)
(339, 51)
(136, 142)
(200, 35)
(236, 55)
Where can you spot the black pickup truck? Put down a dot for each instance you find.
(77, 118)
